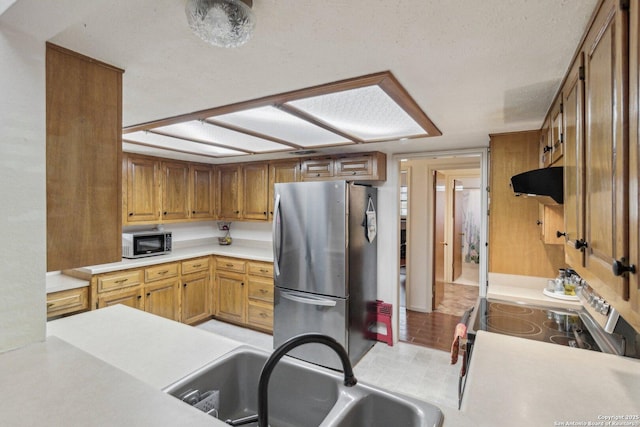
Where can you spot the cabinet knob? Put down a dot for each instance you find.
(264, 213)
(581, 245)
(185, 285)
(547, 148)
(236, 212)
(130, 213)
(164, 213)
(148, 294)
(559, 234)
(538, 222)
(193, 212)
(619, 267)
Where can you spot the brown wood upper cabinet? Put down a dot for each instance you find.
(228, 190)
(281, 171)
(255, 181)
(545, 144)
(160, 190)
(140, 180)
(175, 190)
(597, 154)
(202, 191)
(357, 167)
(83, 164)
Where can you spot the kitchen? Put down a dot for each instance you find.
(23, 220)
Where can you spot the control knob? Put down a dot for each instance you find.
(604, 310)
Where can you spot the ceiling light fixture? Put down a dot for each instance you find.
(224, 23)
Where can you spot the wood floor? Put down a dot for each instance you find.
(435, 329)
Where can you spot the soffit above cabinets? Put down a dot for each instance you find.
(372, 108)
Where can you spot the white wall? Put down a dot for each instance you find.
(22, 174)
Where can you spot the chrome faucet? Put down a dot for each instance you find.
(263, 385)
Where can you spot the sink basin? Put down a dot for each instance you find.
(300, 395)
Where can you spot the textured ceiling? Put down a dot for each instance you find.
(473, 67)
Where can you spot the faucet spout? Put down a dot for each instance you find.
(263, 385)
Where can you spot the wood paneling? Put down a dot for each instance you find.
(514, 243)
(84, 154)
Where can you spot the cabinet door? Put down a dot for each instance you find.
(196, 298)
(573, 101)
(202, 192)
(634, 163)
(557, 137)
(175, 190)
(545, 144)
(606, 146)
(142, 190)
(131, 298)
(317, 169)
(232, 298)
(228, 192)
(281, 172)
(255, 179)
(162, 299)
(354, 166)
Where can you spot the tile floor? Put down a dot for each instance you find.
(415, 371)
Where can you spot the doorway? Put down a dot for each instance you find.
(441, 264)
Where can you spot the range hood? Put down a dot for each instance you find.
(544, 184)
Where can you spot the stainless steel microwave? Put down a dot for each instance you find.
(145, 243)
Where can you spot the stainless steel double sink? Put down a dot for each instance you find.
(301, 395)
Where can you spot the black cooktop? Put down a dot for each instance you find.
(552, 325)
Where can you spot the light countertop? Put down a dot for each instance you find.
(248, 249)
(55, 384)
(525, 289)
(255, 250)
(514, 381)
(107, 361)
(56, 281)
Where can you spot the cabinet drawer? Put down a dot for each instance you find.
(160, 272)
(194, 265)
(259, 290)
(261, 315)
(69, 301)
(261, 269)
(231, 264)
(119, 280)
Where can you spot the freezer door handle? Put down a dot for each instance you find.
(309, 300)
(277, 231)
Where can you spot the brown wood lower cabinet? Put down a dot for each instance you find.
(129, 297)
(235, 290)
(196, 298)
(231, 296)
(66, 302)
(162, 299)
(244, 292)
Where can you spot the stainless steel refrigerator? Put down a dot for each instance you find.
(325, 261)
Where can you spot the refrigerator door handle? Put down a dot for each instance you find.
(310, 301)
(276, 237)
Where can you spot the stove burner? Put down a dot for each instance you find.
(512, 326)
(567, 341)
(511, 309)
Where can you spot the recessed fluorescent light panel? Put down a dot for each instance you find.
(177, 144)
(367, 113)
(279, 124)
(372, 108)
(200, 130)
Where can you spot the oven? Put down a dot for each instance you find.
(592, 326)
